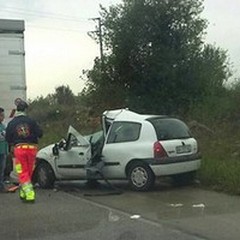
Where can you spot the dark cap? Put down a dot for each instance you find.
(22, 106)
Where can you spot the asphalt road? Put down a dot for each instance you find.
(165, 213)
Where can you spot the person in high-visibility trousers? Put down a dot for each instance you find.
(23, 133)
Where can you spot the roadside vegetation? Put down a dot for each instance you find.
(218, 134)
(156, 61)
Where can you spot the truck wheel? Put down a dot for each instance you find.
(140, 177)
(44, 175)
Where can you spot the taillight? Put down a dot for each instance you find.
(159, 151)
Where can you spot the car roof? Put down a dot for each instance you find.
(127, 115)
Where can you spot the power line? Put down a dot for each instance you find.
(44, 14)
(57, 29)
(48, 15)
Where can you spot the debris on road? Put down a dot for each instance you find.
(135, 216)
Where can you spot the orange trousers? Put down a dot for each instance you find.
(25, 158)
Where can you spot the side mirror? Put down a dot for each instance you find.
(55, 150)
(62, 143)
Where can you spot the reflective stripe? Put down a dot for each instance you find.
(18, 168)
(26, 146)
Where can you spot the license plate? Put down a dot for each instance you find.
(183, 149)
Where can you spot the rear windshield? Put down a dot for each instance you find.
(170, 128)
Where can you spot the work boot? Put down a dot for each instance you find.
(30, 196)
(29, 192)
(22, 195)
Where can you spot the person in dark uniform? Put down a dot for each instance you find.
(3, 151)
(23, 133)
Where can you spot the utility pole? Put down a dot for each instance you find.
(99, 33)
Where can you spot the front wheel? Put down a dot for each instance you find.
(44, 175)
(141, 177)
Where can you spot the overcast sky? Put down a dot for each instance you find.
(58, 48)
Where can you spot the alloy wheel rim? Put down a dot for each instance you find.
(139, 177)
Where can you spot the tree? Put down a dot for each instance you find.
(156, 59)
(63, 95)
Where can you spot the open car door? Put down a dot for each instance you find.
(73, 155)
(108, 117)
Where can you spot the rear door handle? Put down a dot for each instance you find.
(81, 153)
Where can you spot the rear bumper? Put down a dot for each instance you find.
(175, 165)
(175, 168)
(172, 160)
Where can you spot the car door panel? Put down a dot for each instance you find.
(119, 147)
(73, 158)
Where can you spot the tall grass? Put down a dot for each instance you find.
(220, 169)
(221, 174)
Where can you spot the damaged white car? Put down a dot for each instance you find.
(130, 146)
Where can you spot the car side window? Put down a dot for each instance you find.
(74, 141)
(124, 132)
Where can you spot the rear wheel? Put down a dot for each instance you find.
(44, 175)
(140, 177)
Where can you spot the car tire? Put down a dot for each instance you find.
(184, 179)
(44, 175)
(140, 177)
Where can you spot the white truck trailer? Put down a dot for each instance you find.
(12, 64)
